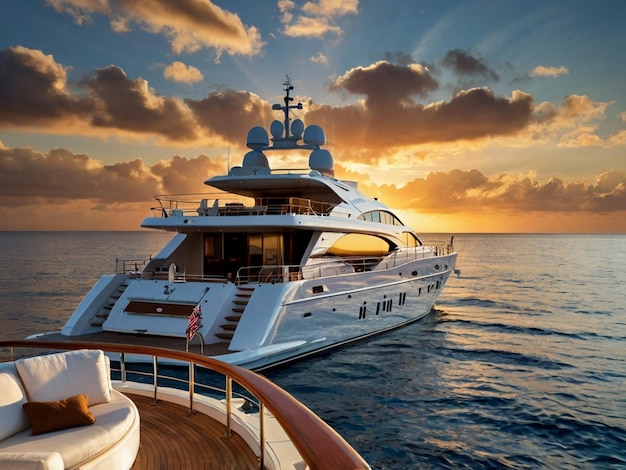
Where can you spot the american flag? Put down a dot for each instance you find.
(194, 322)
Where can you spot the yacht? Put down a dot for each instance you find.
(274, 264)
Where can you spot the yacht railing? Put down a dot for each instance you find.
(336, 266)
(131, 266)
(221, 204)
(318, 444)
(287, 272)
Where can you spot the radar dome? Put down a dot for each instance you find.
(257, 138)
(322, 161)
(314, 135)
(255, 158)
(297, 127)
(277, 128)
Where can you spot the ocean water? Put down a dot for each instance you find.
(522, 363)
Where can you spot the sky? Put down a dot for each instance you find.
(463, 116)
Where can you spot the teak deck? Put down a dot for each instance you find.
(172, 438)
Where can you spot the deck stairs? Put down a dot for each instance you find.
(103, 312)
(239, 303)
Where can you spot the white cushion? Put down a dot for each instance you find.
(12, 396)
(31, 460)
(79, 445)
(62, 375)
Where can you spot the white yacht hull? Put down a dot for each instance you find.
(279, 321)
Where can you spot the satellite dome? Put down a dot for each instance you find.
(297, 127)
(257, 138)
(314, 135)
(277, 128)
(322, 161)
(255, 158)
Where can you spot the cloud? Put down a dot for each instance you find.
(130, 105)
(546, 71)
(230, 113)
(393, 114)
(34, 90)
(463, 64)
(316, 18)
(179, 72)
(618, 139)
(319, 58)
(189, 25)
(35, 94)
(390, 117)
(385, 83)
(181, 175)
(461, 191)
(31, 177)
(28, 176)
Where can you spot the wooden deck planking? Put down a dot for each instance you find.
(171, 438)
(211, 349)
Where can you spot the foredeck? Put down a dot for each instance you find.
(172, 438)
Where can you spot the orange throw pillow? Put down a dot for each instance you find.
(47, 416)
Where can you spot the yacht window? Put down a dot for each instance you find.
(358, 244)
(382, 217)
(410, 240)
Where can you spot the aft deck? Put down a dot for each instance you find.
(171, 437)
(112, 338)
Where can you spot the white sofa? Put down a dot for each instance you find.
(112, 442)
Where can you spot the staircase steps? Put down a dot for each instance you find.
(241, 299)
(225, 335)
(103, 312)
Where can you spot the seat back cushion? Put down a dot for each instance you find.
(12, 396)
(58, 376)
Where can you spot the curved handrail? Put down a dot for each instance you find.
(319, 445)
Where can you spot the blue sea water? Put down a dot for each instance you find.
(522, 364)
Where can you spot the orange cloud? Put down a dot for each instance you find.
(27, 176)
(548, 71)
(179, 72)
(461, 191)
(390, 117)
(188, 24)
(316, 18)
(59, 174)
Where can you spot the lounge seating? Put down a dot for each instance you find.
(111, 442)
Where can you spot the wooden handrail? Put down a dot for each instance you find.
(320, 446)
